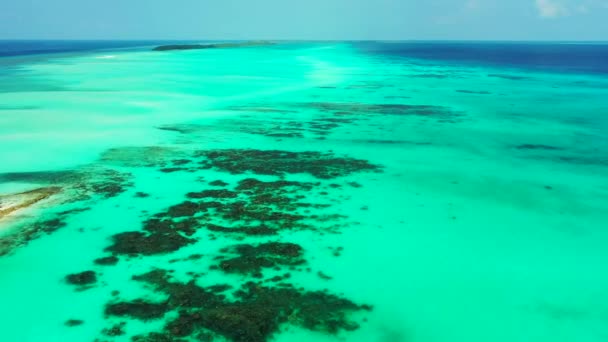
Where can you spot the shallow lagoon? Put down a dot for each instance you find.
(425, 201)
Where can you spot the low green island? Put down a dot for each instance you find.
(175, 47)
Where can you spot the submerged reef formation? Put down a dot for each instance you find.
(106, 261)
(439, 113)
(322, 165)
(253, 208)
(211, 46)
(29, 231)
(77, 185)
(291, 119)
(473, 92)
(286, 124)
(158, 237)
(510, 77)
(251, 313)
(139, 309)
(145, 156)
(275, 162)
(42, 177)
(83, 280)
(538, 147)
(264, 209)
(340, 110)
(73, 322)
(250, 259)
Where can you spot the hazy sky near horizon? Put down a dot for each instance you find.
(310, 19)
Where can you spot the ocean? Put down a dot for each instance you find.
(300, 191)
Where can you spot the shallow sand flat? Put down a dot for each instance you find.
(11, 203)
(458, 205)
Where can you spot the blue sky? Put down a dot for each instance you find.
(308, 19)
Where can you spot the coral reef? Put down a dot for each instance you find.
(253, 313)
(251, 259)
(83, 279)
(275, 162)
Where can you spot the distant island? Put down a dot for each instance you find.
(210, 46)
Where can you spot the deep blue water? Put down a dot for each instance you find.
(557, 57)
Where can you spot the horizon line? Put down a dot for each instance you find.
(298, 40)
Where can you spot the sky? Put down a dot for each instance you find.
(306, 20)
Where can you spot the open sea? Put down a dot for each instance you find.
(304, 191)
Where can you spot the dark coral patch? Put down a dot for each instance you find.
(135, 243)
(109, 189)
(106, 183)
(171, 226)
(476, 92)
(255, 208)
(183, 295)
(259, 312)
(429, 111)
(138, 309)
(160, 237)
(212, 194)
(538, 147)
(141, 195)
(282, 185)
(256, 212)
(73, 322)
(83, 278)
(172, 169)
(156, 337)
(106, 261)
(252, 258)
(324, 276)
(42, 177)
(189, 208)
(247, 230)
(218, 183)
(509, 77)
(260, 109)
(181, 161)
(192, 257)
(275, 162)
(252, 314)
(183, 129)
(437, 76)
(115, 330)
(29, 232)
(184, 209)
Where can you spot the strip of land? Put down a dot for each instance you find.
(14, 202)
(210, 46)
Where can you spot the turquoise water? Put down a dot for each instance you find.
(459, 201)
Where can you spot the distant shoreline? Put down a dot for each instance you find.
(210, 46)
